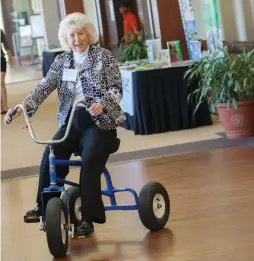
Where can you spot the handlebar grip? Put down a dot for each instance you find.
(13, 112)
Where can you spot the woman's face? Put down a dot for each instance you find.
(78, 40)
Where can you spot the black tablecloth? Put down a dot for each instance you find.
(48, 59)
(161, 105)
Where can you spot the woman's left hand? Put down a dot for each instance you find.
(96, 109)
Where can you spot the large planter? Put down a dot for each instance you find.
(237, 123)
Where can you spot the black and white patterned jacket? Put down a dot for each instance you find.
(101, 82)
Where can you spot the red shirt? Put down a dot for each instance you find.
(129, 21)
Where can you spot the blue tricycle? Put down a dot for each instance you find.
(62, 215)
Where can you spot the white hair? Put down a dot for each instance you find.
(73, 22)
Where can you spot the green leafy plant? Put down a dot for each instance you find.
(132, 48)
(223, 79)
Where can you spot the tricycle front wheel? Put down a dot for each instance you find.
(57, 227)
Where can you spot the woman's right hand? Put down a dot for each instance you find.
(8, 118)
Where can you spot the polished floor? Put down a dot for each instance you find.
(211, 218)
(45, 125)
(26, 72)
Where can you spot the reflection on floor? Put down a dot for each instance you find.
(211, 213)
(23, 73)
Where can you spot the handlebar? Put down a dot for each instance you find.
(29, 125)
(14, 111)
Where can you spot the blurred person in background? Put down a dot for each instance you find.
(4, 105)
(130, 21)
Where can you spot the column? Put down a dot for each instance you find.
(37, 9)
(91, 13)
(239, 19)
(198, 8)
(228, 21)
(248, 7)
(51, 14)
(252, 9)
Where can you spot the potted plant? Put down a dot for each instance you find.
(132, 48)
(226, 81)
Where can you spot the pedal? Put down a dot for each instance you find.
(32, 219)
(41, 227)
(84, 236)
(81, 237)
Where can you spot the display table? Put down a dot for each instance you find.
(155, 101)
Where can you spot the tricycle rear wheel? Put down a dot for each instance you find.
(154, 206)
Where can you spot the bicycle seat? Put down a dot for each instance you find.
(115, 148)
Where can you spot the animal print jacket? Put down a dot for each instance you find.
(101, 82)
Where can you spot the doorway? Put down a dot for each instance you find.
(111, 28)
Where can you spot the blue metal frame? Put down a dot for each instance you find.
(109, 191)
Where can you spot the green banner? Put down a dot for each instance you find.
(211, 14)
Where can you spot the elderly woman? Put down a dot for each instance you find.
(85, 71)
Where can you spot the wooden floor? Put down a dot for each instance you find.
(212, 199)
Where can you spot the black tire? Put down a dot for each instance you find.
(148, 205)
(74, 199)
(57, 243)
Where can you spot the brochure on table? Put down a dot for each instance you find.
(127, 103)
(190, 29)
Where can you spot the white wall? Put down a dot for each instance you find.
(248, 8)
(199, 16)
(24, 5)
(233, 27)
(52, 18)
(1, 17)
(52, 21)
(90, 11)
(38, 8)
(237, 19)
(227, 15)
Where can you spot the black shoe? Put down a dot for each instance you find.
(85, 229)
(33, 216)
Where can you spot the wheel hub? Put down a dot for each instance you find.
(63, 227)
(77, 208)
(159, 206)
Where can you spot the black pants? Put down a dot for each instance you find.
(3, 64)
(95, 146)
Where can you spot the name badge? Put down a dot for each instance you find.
(70, 75)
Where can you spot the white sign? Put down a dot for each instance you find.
(70, 75)
(37, 26)
(163, 56)
(153, 46)
(189, 16)
(127, 103)
(25, 36)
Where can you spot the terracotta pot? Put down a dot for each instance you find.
(237, 123)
